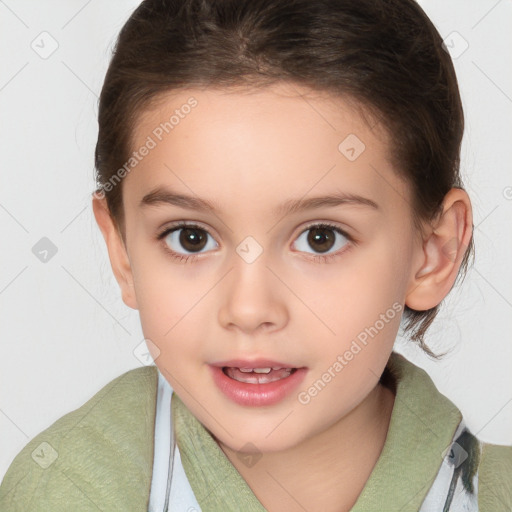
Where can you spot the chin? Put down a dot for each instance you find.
(257, 442)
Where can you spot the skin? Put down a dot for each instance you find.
(247, 153)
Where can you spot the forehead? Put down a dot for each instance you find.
(269, 144)
(293, 111)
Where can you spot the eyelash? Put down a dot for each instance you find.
(318, 258)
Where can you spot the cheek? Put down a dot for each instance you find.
(365, 285)
(168, 301)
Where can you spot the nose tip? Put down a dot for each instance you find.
(252, 299)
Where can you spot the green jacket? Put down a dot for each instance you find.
(100, 456)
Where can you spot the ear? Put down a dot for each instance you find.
(442, 252)
(116, 250)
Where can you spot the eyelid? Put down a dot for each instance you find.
(329, 224)
(181, 224)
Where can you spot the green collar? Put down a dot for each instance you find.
(422, 425)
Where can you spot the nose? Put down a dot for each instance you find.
(253, 298)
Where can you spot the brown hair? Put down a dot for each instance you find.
(385, 54)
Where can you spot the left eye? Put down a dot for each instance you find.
(322, 238)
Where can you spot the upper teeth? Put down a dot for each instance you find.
(258, 370)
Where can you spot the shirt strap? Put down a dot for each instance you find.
(170, 488)
(456, 484)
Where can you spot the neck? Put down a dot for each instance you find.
(326, 472)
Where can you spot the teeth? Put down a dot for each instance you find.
(257, 375)
(259, 370)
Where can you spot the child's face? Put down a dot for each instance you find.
(248, 155)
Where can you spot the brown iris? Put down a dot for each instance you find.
(324, 237)
(193, 239)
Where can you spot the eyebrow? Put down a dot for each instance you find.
(162, 196)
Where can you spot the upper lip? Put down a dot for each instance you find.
(253, 363)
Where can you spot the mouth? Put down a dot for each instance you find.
(256, 383)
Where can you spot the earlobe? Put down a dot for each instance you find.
(116, 250)
(442, 253)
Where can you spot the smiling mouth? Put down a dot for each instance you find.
(257, 375)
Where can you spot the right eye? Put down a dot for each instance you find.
(190, 237)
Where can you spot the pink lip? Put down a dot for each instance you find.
(256, 395)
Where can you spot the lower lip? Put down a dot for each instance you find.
(255, 395)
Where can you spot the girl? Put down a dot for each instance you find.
(278, 187)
